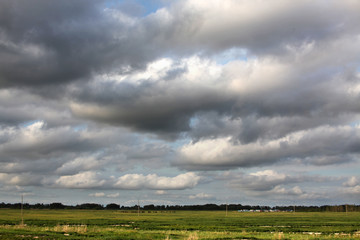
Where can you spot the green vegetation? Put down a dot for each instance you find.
(109, 224)
(205, 207)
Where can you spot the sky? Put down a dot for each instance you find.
(180, 102)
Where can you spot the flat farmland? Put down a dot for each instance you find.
(107, 224)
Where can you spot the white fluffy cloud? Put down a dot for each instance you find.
(35, 140)
(352, 182)
(153, 181)
(81, 180)
(318, 146)
(95, 180)
(203, 196)
(266, 180)
(24, 179)
(352, 186)
(98, 194)
(263, 26)
(102, 195)
(80, 163)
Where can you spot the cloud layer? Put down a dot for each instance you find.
(320, 146)
(109, 97)
(129, 181)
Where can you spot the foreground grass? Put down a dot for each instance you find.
(103, 224)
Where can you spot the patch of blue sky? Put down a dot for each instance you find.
(355, 123)
(29, 123)
(152, 6)
(80, 127)
(337, 170)
(147, 6)
(140, 169)
(180, 142)
(232, 54)
(194, 121)
(145, 138)
(152, 139)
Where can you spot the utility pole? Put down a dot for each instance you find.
(346, 208)
(226, 209)
(138, 207)
(22, 210)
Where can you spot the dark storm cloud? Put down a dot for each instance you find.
(309, 79)
(304, 84)
(265, 105)
(160, 118)
(19, 107)
(58, 151)
(46, 43)
(279, 113)
(152, 104)
(21, 180)
(212, 124)
(39, 41)
(58, 42)
(35, 141)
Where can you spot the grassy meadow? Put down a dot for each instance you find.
(106, 224)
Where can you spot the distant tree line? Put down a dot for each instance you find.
(205, 207)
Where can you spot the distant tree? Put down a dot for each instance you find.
(39, 206)
(93, 206)
(112, 206)
(56, 205)
(149, 207)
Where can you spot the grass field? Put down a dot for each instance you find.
(105, 224)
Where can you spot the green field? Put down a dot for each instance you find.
(106, 224)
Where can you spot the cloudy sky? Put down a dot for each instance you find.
(180, 102)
